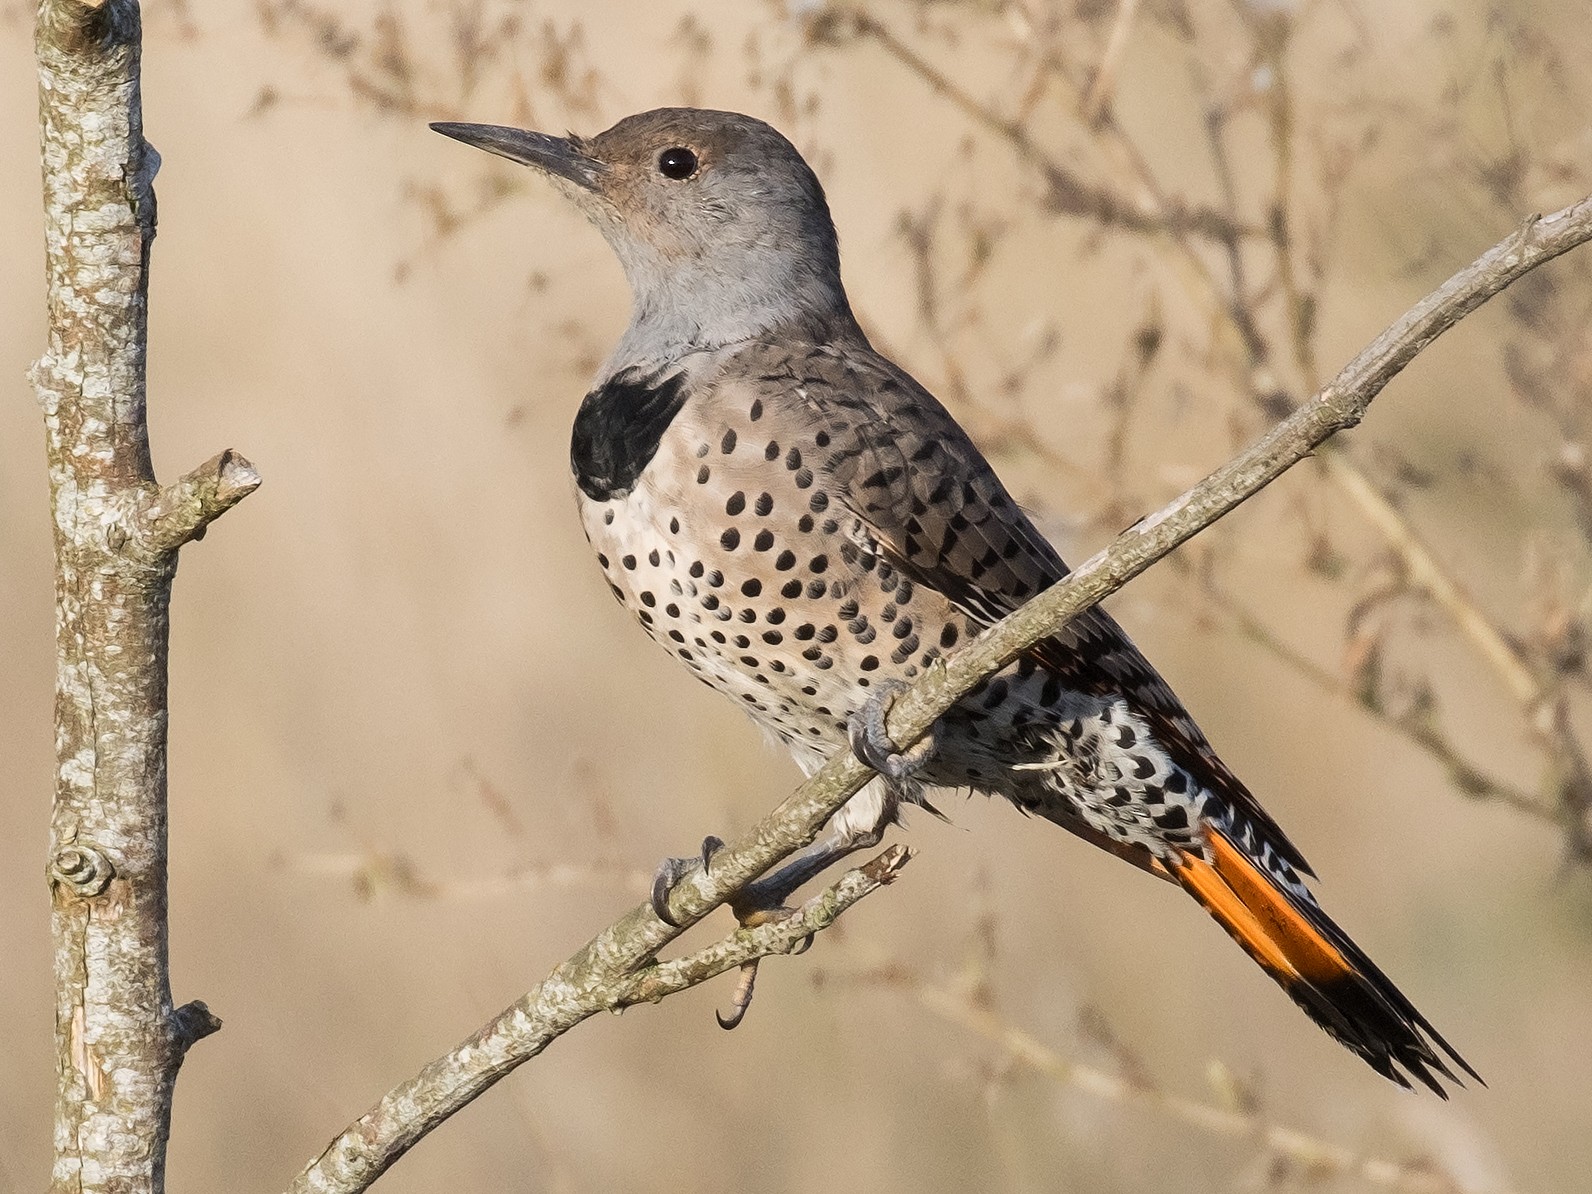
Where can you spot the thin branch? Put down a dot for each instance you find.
(1417, 727)
(598, 979)
(1065, 191)
(1237, 1119)
(1429, 576)
(1105, 77)
(604, 970)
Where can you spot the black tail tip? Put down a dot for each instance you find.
(1380, 1026)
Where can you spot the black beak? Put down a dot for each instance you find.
(558, 156)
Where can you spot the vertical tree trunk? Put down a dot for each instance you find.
(119, 1041)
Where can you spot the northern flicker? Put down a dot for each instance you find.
(806, 528)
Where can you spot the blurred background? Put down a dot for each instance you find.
(419, 756)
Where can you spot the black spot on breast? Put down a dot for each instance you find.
(618, 428)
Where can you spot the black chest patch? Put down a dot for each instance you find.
(617, 430)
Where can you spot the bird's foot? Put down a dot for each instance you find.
(870, 740)
(751, 916)
(671, 870)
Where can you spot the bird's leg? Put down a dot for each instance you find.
(870, 740)
(763, 900)
(671, 870)
(860, 825)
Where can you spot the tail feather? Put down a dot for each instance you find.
(1316, 963)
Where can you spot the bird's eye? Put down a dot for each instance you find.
(678, 162)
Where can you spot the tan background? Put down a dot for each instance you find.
(404, 621)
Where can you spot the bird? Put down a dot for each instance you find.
(807, 529)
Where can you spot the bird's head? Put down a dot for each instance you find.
(721, 226)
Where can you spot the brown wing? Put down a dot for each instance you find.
(937, 507)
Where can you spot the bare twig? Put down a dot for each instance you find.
(604, 973)
(1229, 1117)
(373, 872)
(1065, 191)
(610, 974)
(1105, 76)
(119, 1040)
(1416, 727)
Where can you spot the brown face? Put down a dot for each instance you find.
(682, 180)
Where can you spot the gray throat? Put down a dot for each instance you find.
(684, 311)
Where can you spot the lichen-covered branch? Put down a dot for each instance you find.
(119, 1039)
(604, 973)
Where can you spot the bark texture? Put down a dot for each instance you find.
(119, 1040)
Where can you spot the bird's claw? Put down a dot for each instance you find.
(749, 913)
(742, 999)
(870, 739)
(671, 870)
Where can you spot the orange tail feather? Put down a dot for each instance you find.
(1316, 963)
